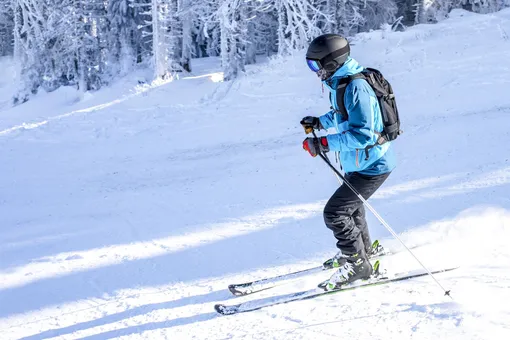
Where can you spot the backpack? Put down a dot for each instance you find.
(387, 103)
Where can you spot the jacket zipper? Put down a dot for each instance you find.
(357, 158)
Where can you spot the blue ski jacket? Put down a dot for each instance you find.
(359, 131)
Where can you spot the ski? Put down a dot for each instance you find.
(316, 292)
(247, 288)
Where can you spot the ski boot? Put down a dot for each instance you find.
(351, 268)
(374, 251)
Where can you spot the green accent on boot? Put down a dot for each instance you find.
(376, 268)
(377, 249)
(331, 263)
(375, 244)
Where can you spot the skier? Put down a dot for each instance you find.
(366, 163)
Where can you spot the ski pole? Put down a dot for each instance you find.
(386, 225)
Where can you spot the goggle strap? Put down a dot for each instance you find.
(334, 55)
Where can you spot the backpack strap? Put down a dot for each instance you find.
(380, 141)
(340, 93)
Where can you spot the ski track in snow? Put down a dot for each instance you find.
(126, 215)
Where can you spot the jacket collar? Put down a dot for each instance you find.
(349, 68)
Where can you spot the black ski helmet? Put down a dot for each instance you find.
(330, 51)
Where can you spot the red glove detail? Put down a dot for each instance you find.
(316, 145)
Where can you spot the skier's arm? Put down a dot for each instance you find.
(328, 120)
(360, 131)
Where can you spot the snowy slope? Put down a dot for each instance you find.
(127, 213)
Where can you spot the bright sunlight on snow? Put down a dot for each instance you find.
(126, 213)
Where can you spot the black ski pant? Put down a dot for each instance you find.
(344, 213)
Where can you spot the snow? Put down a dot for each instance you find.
(127, 212)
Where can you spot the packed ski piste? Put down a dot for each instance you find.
(355, 189)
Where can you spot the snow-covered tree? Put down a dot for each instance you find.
(36, 36)
(232, 17)
(250, 34)
(142, 39)
(87, 43)
(94, 44)
(60, 42)
(123, 36)
(160, 48)
(349, 16)
(378, 12)
(407, 10)
(6, 28)
(179, 32)
(297, 24)
(206, 28)
(432, 11)
(484, 6)
(265, 30)
(171, 35)
(186, 39)
(329, 8)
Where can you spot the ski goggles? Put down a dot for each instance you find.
(314, 65)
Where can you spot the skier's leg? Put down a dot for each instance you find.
(338, 216)
(344, 212)
(361, 223)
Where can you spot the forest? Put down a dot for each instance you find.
(90, 43)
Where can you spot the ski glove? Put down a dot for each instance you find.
(309, 123)
(316, 145)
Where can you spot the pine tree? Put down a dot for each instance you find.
(378, 12)
(484, 6)
(179, 32)
(122, 37)
(206, 32)
(265, 30)
(142, 39)
(407, 10)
